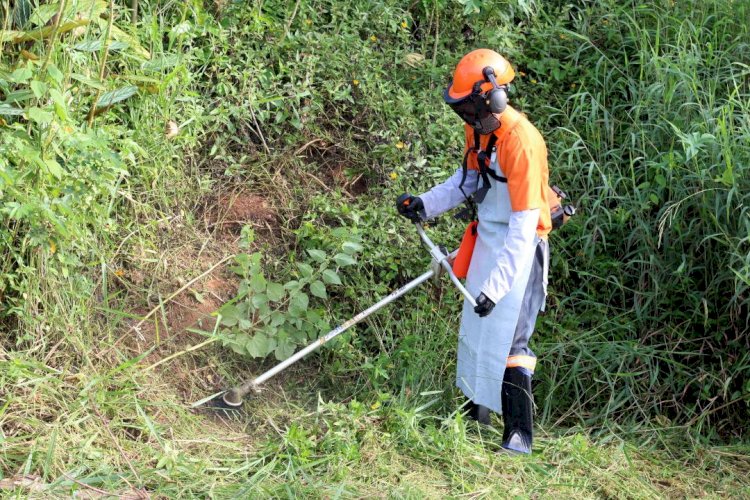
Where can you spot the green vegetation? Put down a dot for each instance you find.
(172, 181)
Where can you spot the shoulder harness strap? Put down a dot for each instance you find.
(483, 159)
(464, 171)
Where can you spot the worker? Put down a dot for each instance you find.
(504, 177)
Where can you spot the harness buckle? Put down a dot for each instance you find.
(482, 157)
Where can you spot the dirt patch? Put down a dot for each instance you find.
(354, 186)
(231, 211)
(193, 307)
(225, 214)
(224, 217)
(331, 164)
(191, 258)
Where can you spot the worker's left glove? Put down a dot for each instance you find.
(484, 305)
(410, 207)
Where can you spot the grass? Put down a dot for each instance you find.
(642, 383)
(127, 431)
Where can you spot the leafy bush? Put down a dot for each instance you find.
(72, 164)
(270, 317)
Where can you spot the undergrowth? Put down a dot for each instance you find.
(129, 135)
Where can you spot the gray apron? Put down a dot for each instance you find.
(484, 343)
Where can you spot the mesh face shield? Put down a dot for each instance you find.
(474, 110)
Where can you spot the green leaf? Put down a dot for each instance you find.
(247, 236)
(237, 347)
(292, 285)
(343, 259)
(258, 346)
(230, 315)
(118, 45)
(22, 11)
(8, 110)
(39, 88)
(259, 300)
(284, 350)
(351, 247)
(727, 177)
(88, 81)
(275, 292)
(299, 335)
(53, 168)
(55, 73)
(40, 116)
(181, 29)
(243, 289)
(9, 35)
(318, 255)
(243, 263)
(299, 302)
(258, 283)
(331, 277)
(18, 96)
(88, 46)
(120, 35)
(97, 45)
(314, 332)
(342, 232)
(277, 319)
(316, 325)
(44, 13)
(83, 9)
(61, 108)
(313, 317)
(269, 331)
(117, 95)
(264, 309)
(318, 289)
(161, 63)
(305, 269)
(20, 75)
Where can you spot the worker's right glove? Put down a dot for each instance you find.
(410, 207)
(484, 305)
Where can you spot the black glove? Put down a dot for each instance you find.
(409, 206)
(484, 305)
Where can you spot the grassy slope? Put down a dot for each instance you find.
(102, 421)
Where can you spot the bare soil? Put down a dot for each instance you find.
(190, 252)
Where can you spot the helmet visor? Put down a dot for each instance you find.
(474, 110)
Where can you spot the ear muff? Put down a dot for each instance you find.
(497, 98)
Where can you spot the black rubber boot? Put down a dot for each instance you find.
(478, 412)
(518, 410)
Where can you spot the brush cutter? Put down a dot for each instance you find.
(232, 398)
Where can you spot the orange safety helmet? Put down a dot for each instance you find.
(479, 89)
(470, 70)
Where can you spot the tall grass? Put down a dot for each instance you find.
(652, 284)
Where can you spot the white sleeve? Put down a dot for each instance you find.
(447, 195)
(515, 254)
